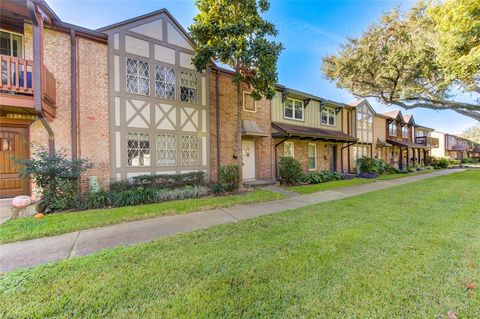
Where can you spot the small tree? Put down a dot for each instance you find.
(57, 177)
(234, 33)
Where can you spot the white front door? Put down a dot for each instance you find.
(248, 157)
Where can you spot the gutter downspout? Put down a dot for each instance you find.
(37, 23)
(217, 118)
(276, 158)
(73, 90)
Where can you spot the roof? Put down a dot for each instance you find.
(459, 147)
(392, 114)
(250, 128)
(148, 15)
(289, 130)
(382, 143)
(406, 144)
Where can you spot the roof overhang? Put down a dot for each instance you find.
(250, 128)
(407, 144)
(296, 131)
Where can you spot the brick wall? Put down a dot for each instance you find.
(324, 153)
(92, 98)
(228, 127)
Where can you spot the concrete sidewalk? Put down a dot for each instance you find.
(43, 250)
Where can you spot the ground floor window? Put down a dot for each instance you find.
(166, 150)
(289, 149)
(138, 149)
(359, 152)
(312, 156)
(189, 149)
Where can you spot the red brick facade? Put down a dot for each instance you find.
(228, 127)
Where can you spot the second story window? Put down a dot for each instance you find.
(405, 131)
(293, 109)
(364, 124)
(138, 77)
(11, 44)
(188, 87)
(328, 116)
(165, 82)
(392, 129)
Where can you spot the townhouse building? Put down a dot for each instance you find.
(127, 98)
(455, 147)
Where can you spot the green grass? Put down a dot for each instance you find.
(313, 188)
(396, 176)
(403, 252)
(61, 223)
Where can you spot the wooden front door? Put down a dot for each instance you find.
(13, 143)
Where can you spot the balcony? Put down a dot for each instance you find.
(427, 141)
(17, 87)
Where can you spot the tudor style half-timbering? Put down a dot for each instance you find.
(158, 102)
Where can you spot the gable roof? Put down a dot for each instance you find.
(395, 115)
(149, 15)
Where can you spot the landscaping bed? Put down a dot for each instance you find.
(410, 251)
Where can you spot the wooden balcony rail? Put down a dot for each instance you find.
(427, 141)
(17, 79)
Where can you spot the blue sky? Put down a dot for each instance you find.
(307, 29)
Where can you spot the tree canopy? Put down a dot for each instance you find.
(427, 57)
(234, 33)
(472, 133)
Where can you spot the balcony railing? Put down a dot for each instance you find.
(427, 141)
(17, 81)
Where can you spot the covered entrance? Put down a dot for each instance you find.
(13, 144)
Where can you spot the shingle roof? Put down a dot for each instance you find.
(284, 130)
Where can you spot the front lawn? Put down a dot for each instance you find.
(61, 223)
(409, 251)
(313, 188)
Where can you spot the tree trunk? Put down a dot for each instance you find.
(239, 132)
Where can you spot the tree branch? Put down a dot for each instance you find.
(473, 113)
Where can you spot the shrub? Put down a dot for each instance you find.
(322, 177)
(160, 181)
(230, 177)
(411, 169)
(367, 175)
(100, 199)
(217, 188)
(439, 162)
(452, 162)
(469, 160)
(56, 176)
(290, 171)
(374, 165)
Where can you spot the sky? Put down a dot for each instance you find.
(308, 31)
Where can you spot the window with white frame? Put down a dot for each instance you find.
(289, 149)
(188, 87)
(138, 77)
(189, 149)
(312, 156)
(358, 152)
(392, 129)
(138, 149)
(293, 109)
(166, 150)
(365, 124)
(11, 44)
(165, 82)
(328, 116)
(405, 131)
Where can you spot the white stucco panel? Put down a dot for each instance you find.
(137, 46)
(152, 29)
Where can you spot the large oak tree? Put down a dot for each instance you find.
(234, 33)
(428, 57)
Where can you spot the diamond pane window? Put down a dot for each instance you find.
(289, 149)
(188, 87)
(312, 157)
(165, 82)
(138, 149)
(166, 150)
(138, 77)
(189, 150)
